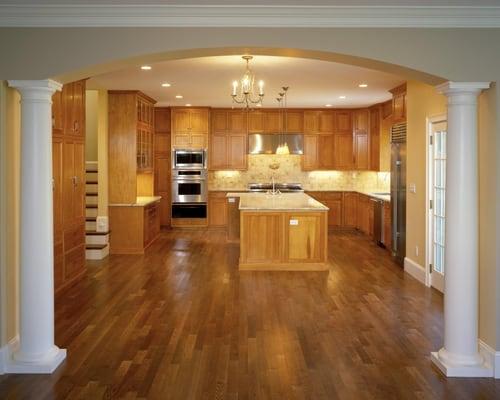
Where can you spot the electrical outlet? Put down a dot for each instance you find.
(416, 251)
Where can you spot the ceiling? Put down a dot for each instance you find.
(207, 81)
(418, 3)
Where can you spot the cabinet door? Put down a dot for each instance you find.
(199, 140)
(79, 108)
(218, 151)
(343, 122)
(326, 158)
(255, 122)
(350, 209)
(181, 121)
(68, 186)
(219, 121)
(79, 172)
(310, 157)
(311, 122)
(361, 151)
(361, 121)
(272, 122)
(237, 151)
(334, 212)
(57, 114)
(399, 107)
(57, 190)
(181, 140)
(261, 237)
(304, 237)
(237, 122)
(344, 151)
(387, 239)
(162, 144)
(162, 119)
(217, 211)
(199, 121)
(326, 122)
(294, 122)
(375, 139)
(67, 104)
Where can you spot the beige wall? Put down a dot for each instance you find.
(423, 102)
(10, 139)
(91, 124)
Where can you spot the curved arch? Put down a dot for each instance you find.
(405, 72)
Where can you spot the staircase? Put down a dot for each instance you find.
(96, 243)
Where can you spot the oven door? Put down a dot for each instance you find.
(189, 191)
(189, 159)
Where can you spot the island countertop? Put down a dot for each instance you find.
(280, 202)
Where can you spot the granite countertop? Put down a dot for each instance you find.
(236, 193)
(375, 195)
(141, 201)
(281, 202)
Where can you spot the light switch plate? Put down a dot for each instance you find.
(231, 200)
(294, 222)
(412, 188)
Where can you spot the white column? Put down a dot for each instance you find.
(459, 355)
(36, 352)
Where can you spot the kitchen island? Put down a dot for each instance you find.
(286, 232)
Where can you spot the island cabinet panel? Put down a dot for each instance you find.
(350, 209)
(305, 237)
(261, 238)
(217, 210)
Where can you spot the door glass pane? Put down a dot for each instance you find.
(438, 196)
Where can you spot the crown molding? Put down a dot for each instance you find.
(248, 16)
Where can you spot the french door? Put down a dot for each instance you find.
(437, 194)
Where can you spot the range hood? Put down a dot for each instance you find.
(268, 143)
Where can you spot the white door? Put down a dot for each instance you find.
(437, 193)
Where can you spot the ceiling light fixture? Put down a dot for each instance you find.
(178, 96)
(166, 84)
(328, 105)
(283, 148)
(188, 105)
(146, 67)
(363, 85)
(342, 97)
(247, 95)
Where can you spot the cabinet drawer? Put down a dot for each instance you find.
(74, 262)
(74, 237)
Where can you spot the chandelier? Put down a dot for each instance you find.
(246, 93)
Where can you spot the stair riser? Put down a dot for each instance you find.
(91, 176)
(96, 254)
(90, 187)
(91, 212)
(90, 225)
(91, 200)
(91, 166)
(96, 239)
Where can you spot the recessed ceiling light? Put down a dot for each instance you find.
(259, 105)
(342, 97)
(328, 105)
(178, 96)
(166, 84)
(188, 105)
(146, 67)
(363, 85)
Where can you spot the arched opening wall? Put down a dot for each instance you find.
(424, 56)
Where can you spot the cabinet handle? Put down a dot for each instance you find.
(75, 126)
(53, 184)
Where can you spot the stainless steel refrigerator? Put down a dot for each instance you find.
(398, 191)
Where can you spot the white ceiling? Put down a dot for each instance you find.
(419, 3)
(207, 81)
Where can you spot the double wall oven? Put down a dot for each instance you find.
(189, 183)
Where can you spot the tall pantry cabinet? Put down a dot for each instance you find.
(68, 171)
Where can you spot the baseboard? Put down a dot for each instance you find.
(6, 353)
(415, 270)
(491, 357)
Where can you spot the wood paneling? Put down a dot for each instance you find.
(326, 122)
(127, 226)
(220, 121)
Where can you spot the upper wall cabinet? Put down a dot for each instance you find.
(343, 122)
(190, 127)
(361, 122)
(399, 103)
(68, 110)
(319, 122)
(293, 121)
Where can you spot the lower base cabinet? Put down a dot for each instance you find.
(133, 228)
(217, 210)
(387, 236)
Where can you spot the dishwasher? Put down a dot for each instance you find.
(378, 224)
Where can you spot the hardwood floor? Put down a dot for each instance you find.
(181, 322)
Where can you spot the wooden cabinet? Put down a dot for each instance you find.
(365, 214)
(310, 157)
(190, 127)
(333, 200)
(228, 140)
(326, 156)
(344, 157)
(361, 122)
(399, 103)
(319, 121)
(343, 122)
(374, 138)
(361, 152)
(350, 205)
(162, 164)
(131, 142)
(233, 219)
(68, 184)
(272, 121)
(387, 237)
(255, 121)
(151, 223)
(294, 121)
(302, 244)
(217, 210)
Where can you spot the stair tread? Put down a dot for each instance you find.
(91, 219)
(91, 194)
(88, 232)
(90, 205)
(95, 246)
(91, 170)
(91, 182)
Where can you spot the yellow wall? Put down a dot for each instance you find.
(91, 124)
(9, 210)
(423, 102)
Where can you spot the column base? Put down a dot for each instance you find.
(17, 364)
(463, 370)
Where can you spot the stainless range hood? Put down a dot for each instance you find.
(268, 143)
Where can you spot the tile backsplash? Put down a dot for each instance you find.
(290, 171)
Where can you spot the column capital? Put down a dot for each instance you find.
(37, 90)
(452, 88)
